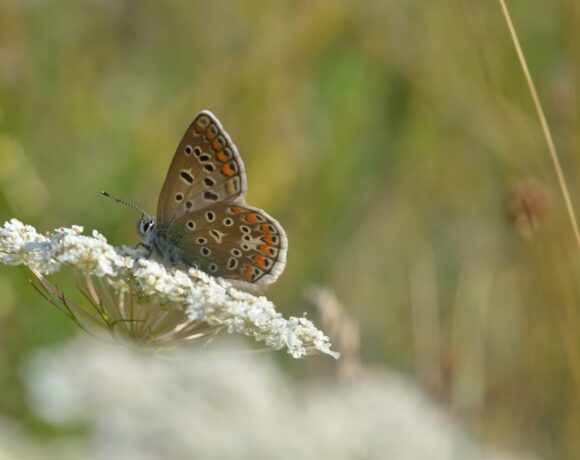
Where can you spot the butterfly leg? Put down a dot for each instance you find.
(149, 249)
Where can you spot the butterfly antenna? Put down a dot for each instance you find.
(126, 203)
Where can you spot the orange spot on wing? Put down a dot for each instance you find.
(251, 218)
(236, 210)
(260, 261)
(198, 128)
(266, 228)
(217, 145)
(209, 135)
(248, 273)
(268, 239)
(221, 156)
(265, 249)
(227, 170)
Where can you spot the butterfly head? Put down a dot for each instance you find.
(146, 225)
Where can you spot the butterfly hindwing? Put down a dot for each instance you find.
(232, 241)
(206, 170)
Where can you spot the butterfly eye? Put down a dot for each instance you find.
(145, 226)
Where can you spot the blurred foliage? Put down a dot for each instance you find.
(390, 138)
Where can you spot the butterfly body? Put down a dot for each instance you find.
(158, 245)
(203, 220)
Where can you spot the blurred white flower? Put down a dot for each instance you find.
(12, 444)
(141, 302)
(232, 406)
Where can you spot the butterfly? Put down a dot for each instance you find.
(203, 220)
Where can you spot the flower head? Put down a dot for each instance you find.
(142, 302)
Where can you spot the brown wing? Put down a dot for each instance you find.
(232, 241)
(206, 169)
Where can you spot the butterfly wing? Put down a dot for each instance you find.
(206, 169)
(232, 241)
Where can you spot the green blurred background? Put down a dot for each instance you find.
(394, 140)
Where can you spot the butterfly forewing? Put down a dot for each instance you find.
(232, 241)
(206, 170)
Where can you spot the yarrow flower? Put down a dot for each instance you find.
(143, 303)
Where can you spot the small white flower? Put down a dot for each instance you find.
(143, 302)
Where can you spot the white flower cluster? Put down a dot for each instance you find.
(231, 406)
(203, 298)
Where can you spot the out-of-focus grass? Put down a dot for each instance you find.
(387, 137)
